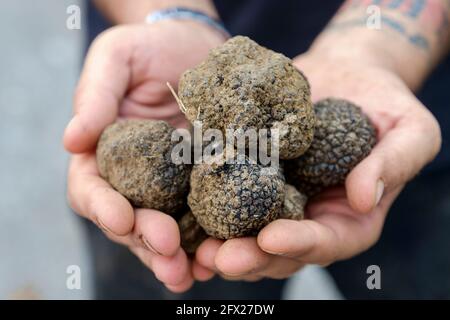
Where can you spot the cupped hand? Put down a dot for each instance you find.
(124, 76)
(344, 221)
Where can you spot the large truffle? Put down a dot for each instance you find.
(235, 200)
(134, 156)
(242, 85)
(192, 234)
(343, 137)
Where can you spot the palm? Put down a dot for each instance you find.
(159, 56)
(152, 100)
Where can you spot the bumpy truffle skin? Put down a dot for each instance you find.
(235, 200)
(192, 234)
(134, 156)
(343, 137)
(294, 204)
(242, 85)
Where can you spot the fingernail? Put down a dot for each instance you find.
(281, 254)
(234, 275)
(148, 245)
(71, 124)
(380, 190)
(102, 226)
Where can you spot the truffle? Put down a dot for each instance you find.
(294, 204)
(242, 85)
(235, 200)
(343, 137)
(134, 156)
(192, 234)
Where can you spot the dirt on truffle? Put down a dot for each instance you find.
(343, 137)
(134, 156)
(192, 234)
(294, 204)
(235, 200)
(243, 85)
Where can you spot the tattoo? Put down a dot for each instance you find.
(430, 16)
(416, 39)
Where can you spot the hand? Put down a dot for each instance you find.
(125, 75)
(342, 222)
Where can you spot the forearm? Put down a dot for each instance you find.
(409, 37)
(130, 11)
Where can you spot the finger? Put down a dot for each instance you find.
(243, 259)
(206, 258)
(307, 240)
(331, 236)
(102, 85)
(242, 256)
(281, 268)
(398, 157)
(182, 287)
(172, 271)
(206, 253)
(93, 198)
(157, 231)
(277, 268)
(246, 278)
(201, 273)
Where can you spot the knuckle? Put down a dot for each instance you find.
(107, 36)
(71, 201)
(71, 196)
(430, 127)
(112, 41)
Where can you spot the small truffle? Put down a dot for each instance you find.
(134, 156)
(235, 200)
(192, 234)
(343, 137)
(242, 85)
(294, 204)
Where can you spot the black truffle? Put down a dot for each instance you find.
(242, 85)
(235, 200)
(343, 137)
(134, 156)
(192, 234)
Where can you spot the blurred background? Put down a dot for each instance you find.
(39, 66)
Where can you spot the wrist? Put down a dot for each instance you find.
(188, 14)
(370, 48)
(190, 28)
(135, 11)
(344, 75)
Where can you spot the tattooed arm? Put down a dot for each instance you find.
(409, 36)
(376, 64)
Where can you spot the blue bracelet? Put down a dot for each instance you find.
(186, 14)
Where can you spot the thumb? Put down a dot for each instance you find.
(400, 154)
(103, 83)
